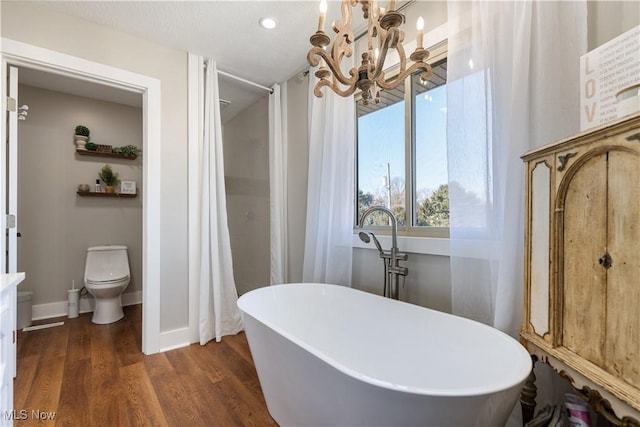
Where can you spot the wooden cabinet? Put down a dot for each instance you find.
(582, 265)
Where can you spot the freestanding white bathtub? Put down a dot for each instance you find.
(328, 355)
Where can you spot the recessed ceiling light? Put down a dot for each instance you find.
(268, 23)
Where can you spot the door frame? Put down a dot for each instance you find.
(8, 158)
(29, 56)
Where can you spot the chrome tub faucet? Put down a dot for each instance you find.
(390, 258)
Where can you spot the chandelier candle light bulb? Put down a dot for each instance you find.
(420, 36)
(323, 15)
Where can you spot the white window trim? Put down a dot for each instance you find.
(409, 244)
(481, 248)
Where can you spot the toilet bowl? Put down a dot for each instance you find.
(106, 276)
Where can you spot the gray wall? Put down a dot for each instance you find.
(246, 166)
(38, 25)
(298, 166)
(609, 19)
(428, 283)
(56, 225)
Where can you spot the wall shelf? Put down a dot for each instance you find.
(100, 154)
(94, 194)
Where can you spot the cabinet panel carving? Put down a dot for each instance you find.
(593, 264)
(540, 221)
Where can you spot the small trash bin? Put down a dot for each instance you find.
(24, 309)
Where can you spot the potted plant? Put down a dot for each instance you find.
(81, 136)
(129, 151)
(109, 177)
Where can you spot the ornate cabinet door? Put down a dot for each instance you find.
(622, 344)
(599, 232)
(583, 209)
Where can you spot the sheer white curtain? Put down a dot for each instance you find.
(330, 200)
(278, 188)
(512, 85)
(219, 314)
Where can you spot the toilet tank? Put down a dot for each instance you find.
(106, 263)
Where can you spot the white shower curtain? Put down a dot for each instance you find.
(330, 201)
(219, 314)
(512, 85)
(278, 188)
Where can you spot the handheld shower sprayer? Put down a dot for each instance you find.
(364, 236)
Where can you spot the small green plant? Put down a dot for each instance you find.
(91, 146)
(108, 176)
(82, 130)
(127, 150)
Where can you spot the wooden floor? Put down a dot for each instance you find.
(96, 375)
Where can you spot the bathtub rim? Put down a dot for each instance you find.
(497, 387)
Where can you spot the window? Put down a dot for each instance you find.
(402, 155)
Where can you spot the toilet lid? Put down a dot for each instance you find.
(108, 281)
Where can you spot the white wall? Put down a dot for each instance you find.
(37, 25)
(56, 225)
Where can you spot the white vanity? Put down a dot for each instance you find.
(8, 308)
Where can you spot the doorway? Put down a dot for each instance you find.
(58, 222)
(22, 55)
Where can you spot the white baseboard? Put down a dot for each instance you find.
(169, 340)
(176, 338)
(87, 304)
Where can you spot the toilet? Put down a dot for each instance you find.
(106, 276)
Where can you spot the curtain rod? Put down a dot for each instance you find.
(240, 79)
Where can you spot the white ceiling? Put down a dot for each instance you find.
(227, 31)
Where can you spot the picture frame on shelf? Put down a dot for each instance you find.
(127, 187)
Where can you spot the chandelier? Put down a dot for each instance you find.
(383, 34)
